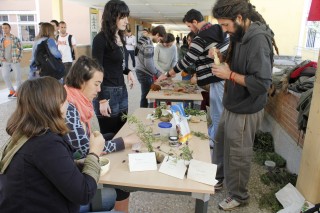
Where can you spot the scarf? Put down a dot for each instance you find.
(82, 103)
(8, 152)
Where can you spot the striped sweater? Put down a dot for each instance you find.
(208, 36)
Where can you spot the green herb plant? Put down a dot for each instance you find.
(144, 133)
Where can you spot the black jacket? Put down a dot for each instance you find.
(42, 177)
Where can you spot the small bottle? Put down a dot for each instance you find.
(173, 141)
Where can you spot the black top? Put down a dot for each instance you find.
(42, 177)
(111, 61)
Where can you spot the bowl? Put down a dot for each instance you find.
(105, 165)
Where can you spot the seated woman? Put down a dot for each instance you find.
(83, 83)
(37, 169)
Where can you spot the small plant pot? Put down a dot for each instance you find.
(270, 165)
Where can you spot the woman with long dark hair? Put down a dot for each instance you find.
(109, 49)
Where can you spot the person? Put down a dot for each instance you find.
(55, 24)
(145, 32)
(37, 170)
(165, 54)
(65, 47)
(207, 36)
(248, 72)
(46, 32)
(109, 49)
(145, 68)
(130, 45)
(184, 40)
(82, 85)
(191, 70)
(10, 56)
(178, 40)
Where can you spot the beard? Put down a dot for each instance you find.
(238, 34)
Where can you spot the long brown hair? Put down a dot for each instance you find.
(38, 108)
(46, 30)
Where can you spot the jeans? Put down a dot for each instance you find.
(109, 196)
(118, 100)
(146, 81)
(131, 53)
(6, 67)
(216, 108)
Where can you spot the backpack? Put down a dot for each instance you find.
(47, 63)
(70, 45)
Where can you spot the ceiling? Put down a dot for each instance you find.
(166, 12)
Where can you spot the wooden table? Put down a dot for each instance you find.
(119, 175)
(170, 95)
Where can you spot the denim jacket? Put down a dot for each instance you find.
(52, 47)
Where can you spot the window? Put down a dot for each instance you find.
(312, 33)
(3, 18)
(26, 17)
(27, 32)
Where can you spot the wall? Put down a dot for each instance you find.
(281, 121)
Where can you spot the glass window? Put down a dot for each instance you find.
(27, 32)
(26, 17)
(3, 18)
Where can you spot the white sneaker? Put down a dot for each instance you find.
(229, 204)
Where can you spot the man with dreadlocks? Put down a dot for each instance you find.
(247, 72)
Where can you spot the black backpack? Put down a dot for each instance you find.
(47, 63)
(70, 45)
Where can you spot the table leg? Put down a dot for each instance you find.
(201, 206)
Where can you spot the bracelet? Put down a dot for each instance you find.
(230, 77)
(103, 101)
(94, 154)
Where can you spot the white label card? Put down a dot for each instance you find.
(173, 167)
(202, 172)
(142, 162)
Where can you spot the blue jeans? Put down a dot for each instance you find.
(118, 100)
(109, 196)
(131, 53)
(146, 81)
(216, 108)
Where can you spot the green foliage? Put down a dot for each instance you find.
(25, 46)
(194, 112)
(144, 133)
(263, 142)
(201, 135)
(260, 157)
(186, 153)
(279, 177)
(269, 201)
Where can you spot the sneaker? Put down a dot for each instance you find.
(14, 95)
(228, 204)
(219, 185)
(11, 93)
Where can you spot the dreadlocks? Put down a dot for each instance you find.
(231, 9)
